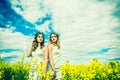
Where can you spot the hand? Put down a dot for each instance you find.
(34, 43)
(54, 74)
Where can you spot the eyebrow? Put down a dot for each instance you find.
(53, 36)
(40, 36)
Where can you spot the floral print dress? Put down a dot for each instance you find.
(36, 65)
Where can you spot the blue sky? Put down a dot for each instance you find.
(88, 29)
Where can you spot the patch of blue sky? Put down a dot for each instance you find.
(6, 12)
(6, 59)
(21, 27)
(41, 6)
(116, 12)
(20, 7)
(10, 17)
(102, 51)
(118, 59)
(4, 4)
(50, 26)
(10, 50)
(42, 20)
(2, 26)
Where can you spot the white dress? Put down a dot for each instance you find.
(57, 60)
(36, 61)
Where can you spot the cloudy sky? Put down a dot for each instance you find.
(88, 28)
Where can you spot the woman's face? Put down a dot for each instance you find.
(54, 38)
(40, 38)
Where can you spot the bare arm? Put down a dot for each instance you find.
(29, 52)
(51, 57)
(45, 59)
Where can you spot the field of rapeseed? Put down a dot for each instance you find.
(94, 70)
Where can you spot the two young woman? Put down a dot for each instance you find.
(41, 53)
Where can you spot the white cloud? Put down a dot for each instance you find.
(16, 40)
(85, 25)
(43, 28)
(32, 10)
(12, 56)
(87, 58)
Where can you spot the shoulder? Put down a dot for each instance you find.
(49, 46)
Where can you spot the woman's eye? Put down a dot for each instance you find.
(53, 36)
(40, 37)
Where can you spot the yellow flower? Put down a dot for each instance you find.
(110, 71)
(35, 61)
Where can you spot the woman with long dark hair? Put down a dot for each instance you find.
(38, 52)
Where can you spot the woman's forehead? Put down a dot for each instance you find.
(53, 35)
(40, 35)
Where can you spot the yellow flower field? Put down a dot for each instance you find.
(94, 70)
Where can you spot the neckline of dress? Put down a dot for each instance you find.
(54, 46)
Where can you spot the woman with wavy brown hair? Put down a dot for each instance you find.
(39, 54)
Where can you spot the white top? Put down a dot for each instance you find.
(56, 56)
(38, 54)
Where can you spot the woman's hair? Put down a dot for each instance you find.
(58, 40)
(35, 42)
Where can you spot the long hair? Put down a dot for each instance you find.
(58, 40)
(35, 42)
